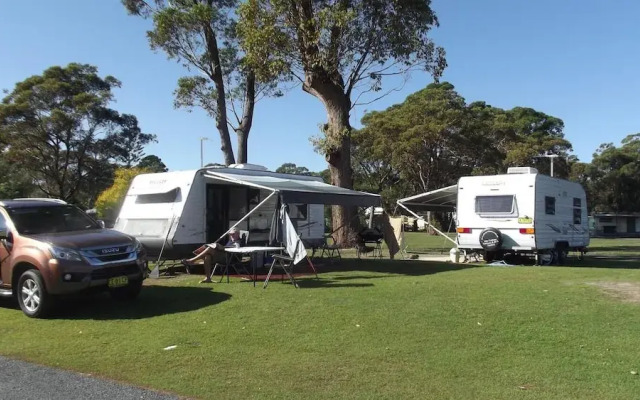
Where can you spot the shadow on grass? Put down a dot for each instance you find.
(617, 249)
(332, 283)
(623, 262)
(152, 302)
(400, 267)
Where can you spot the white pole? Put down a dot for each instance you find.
(202, 139)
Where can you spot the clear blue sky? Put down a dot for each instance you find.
(574, 59)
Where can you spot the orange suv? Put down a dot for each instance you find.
(49, 248)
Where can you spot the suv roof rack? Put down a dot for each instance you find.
(41, 199)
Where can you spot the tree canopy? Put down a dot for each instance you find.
(152, 163)
(339, 51)
(59, 127)
(200, 34)
(434, 137)
(291, 168)
(612, 179)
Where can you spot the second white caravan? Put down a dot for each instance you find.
(523, 213)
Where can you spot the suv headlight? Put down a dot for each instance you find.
(138, 246)
(65, 254)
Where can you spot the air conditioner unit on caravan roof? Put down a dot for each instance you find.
(522, 170)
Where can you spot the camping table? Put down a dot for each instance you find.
(239, 251)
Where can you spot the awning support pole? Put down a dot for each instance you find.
(432, 227)
(249, 213)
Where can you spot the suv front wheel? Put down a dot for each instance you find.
(32, 295)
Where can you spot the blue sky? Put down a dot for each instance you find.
(574, 59)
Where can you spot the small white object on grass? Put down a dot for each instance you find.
(170, 347)
(634, 372)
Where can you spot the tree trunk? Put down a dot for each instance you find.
(342, 176)
(338, 155)
(247, 118)
(221, 102)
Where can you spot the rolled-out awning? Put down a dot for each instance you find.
(299, 188)
(443, 199)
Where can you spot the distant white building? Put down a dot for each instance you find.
(615, 225)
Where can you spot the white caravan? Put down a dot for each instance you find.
(172, 213)
(522, 212)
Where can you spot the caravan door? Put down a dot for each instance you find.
(217, 212)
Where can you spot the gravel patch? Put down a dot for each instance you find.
(26, 381)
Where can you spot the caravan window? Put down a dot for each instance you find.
(550, 205)
(496, 205)
(168, 197)
(298, 211)
(577, 211)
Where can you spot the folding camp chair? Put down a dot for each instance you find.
(285, 263)
(330, 249)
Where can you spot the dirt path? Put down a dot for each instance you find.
(625, 291)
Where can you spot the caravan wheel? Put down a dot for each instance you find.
(546, 257)
(489, 256)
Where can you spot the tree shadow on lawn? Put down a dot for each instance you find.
(616, 249)
(625, 245)
(395, 267)
(324, 283)
(622, 262)
(152, 302)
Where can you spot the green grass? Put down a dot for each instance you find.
(365, 329)
(423, 242)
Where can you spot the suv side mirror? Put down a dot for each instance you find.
(101, 223)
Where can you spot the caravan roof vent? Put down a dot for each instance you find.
(522, 170)
(253, 167)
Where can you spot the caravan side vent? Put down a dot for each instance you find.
(522, 170)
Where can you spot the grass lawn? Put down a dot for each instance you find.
(421, 242)
(365, 329)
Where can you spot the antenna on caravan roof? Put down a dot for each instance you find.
(551, 157)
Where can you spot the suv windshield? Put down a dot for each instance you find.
(50, 219)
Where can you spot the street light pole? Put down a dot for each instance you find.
(202, 139)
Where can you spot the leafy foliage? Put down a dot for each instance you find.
(612, 179)
(200, 34)
(110, 200)
(347, 42)
(339, 51)
(14, 180)
(434, 137)
(291, 168)
(59, 127)
(152, 163)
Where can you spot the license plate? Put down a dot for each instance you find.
(118, 281)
